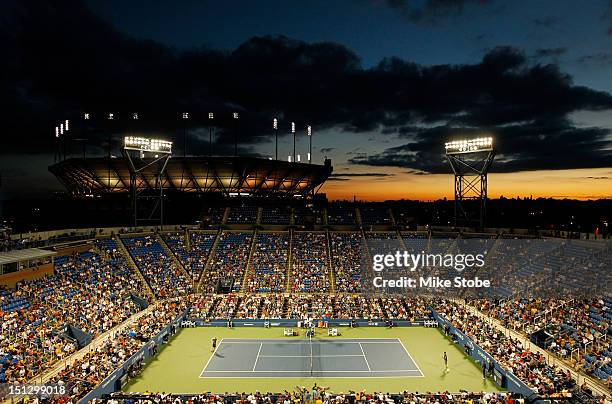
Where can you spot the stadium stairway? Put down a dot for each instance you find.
(60, 366)
(147, 287)
(487, 263)
(398, 234)
(174, 258)
(225, 215)
(358, 218)
(211, 253)
(248, 269)
(332, 273)
(288, 285)
(595, 385)
(258, 217)
(392, 217)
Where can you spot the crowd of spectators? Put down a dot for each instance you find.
(192, 257)
(321, 395)
(532, 368)
(201, 244)
(89, 291)
(579, 329)
(268, 272)
(375, 215)
(229, 261)
(302, 306)
(339, 213)
(276, 215)
(309, 270)
(246, 214)
(84, 374)
(347, 249)
(163, 275)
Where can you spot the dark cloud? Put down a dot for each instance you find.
(64, 60)
(430, 11)
(550, 52)
(600, 59)
(546, 22)
(607, 17)
(327, 149)
(546, 144)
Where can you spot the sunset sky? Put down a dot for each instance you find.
(384, 83)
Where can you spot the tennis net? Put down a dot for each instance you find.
(311, 355)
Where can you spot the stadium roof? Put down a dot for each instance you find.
(198, 174)
(24, 255)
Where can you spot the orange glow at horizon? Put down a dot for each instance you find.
(581, 184)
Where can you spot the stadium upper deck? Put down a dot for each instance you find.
(197, 174)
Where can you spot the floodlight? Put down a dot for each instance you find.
(298, 158)
(86, 116)
(61, 128)
(185, 115)
(309, 130)
(211, 115)
(147, 145)
(135, 115)
(111, 116)
(469, 145)
(292, 127)
(289, 159)
(235, 115)
(275, 123)
(470, 160)
(66, 125)
(57, 131)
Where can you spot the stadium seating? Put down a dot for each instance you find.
(88, 290)
(92, 290)
(82, 375)
(268, 272)
(164, 277)
(347, 249)
(310, 272)
(531, 368)
(229, 260)
(374, 215)
(194, 258)
(276, 215)
(246, 214)
(338, 213)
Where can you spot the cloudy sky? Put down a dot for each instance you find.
(384, 83)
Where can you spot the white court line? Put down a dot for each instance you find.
(393, 341)
(211, 356)
(317, 371)
(364, 357)
(410, 356)
(257, 358)
(305, 356)
(373, 373)
(364, 376)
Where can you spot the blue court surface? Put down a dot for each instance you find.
(376, 357)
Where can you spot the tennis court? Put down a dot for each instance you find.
(257, 358)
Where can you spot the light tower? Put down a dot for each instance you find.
(470, 161)
(147, 156)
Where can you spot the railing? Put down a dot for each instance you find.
(551, 358)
